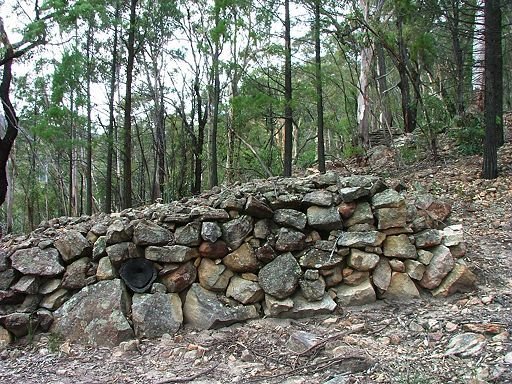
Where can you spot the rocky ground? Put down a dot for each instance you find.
(465, 338)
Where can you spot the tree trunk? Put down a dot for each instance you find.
(458, 58)
(385, 118)
(7, 142)
(493, 99)
(88, 172)
(127, 123)
(319, 93)
(363, 98)
(408, 111)
(288, 113)
(111, 119)
(478, 75)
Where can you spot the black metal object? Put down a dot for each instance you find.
(138, 274)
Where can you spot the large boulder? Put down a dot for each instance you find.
(280, 277)
(35, 261)
(96, 315)
(235, 231)
(203, 309)
(73, 245)
(148, 233)
(156, 314)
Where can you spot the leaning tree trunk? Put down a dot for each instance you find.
(7, 142)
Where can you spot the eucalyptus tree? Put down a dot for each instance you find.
(493, 93)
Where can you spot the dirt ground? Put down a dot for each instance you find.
(465, 338)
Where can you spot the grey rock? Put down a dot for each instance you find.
(242, 259)
(55, 299)
(96, 315)
(349, 194)
(257, 208)
(312, 290)
(19, 324)
(7, 277)
(27, 284)
(211, 231)
(4, 260)
(244, 291)
(99, 249)
(290, 218)
(121, 252)
(156, 314)
(324, 219)
(76, 274)
(460, 279)
(290, 240)
(321, 198)
(441, 264)
(401, 287)
(361, 239)
(204, 310)
(391, 217)
(355, 295)
(280, 277)
(362, 261)
(189, 235)
(399, 246)
(424, 257)
(73, 245)
(39, 262)
(414, 269)
(273, 306)
(320, 259)
(105, 270)
(149, 233)
(171, 253)
(214, 277)
(388, 198)
(49, 286)
(303, 308)
(203, 213)
(428, 238)
(381, 276)
(118, 232)
(262, 229)
(362, 215)
(235, 231)
(453, 235)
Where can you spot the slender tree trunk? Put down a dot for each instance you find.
(111, 119)
(363, 97)
(288, 112)
(493, 99)
(478, 75)
(385, 118)
(319, 93)
(127, 124)
(88, 172)
(214, 178)
(408, 112)
(458, 59)
(7, 142)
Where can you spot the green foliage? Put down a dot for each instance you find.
(469, 134)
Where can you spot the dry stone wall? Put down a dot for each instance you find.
(278, 247)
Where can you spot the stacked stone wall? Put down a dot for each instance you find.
(278, 247)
